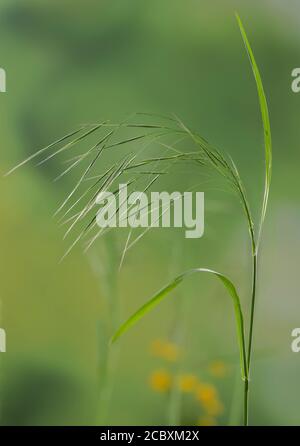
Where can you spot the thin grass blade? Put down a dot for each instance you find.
(266, 124)
(164, 292)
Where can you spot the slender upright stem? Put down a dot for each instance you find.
(254, 280)
(246, 401)
(249, 352)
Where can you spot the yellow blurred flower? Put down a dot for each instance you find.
(209, 398)
(218, 369)
(206, 393)
(187, 382)
(160, 380)
(214, 407)
(165, 349)
(207, 421)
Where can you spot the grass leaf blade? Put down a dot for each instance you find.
(164, 292)
(265, 120)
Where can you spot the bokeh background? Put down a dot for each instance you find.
(86, 61)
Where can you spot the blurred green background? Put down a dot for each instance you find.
(86, 61)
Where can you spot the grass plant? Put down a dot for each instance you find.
(168, 134)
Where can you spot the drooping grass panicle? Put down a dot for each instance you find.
(198, 151)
